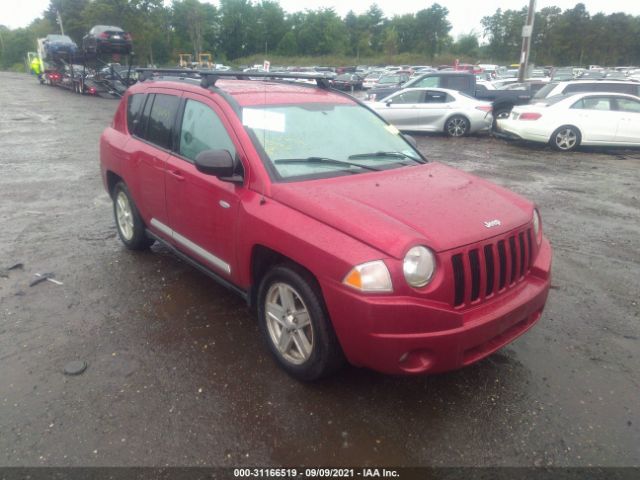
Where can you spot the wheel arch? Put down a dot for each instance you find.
(112, 180)
(263, 258)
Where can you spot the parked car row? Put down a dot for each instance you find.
(564, 114)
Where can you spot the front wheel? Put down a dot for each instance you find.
(456, 126)
(130, 226)
(295, 324)
(566, 138)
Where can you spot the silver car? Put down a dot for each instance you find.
(435, 110)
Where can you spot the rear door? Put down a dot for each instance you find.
(149, 149)
(596, 118)
(203, 209)
(435, 108)
(403, 110)
(629, 125)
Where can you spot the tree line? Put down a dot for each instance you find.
(239, 29)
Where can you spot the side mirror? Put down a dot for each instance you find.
(411, 140)
(218, 163)
(388, 103)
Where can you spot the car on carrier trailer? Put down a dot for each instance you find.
(347, 242)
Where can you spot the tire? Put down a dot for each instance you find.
(131, 228)
(566, 138)
(310, 349)
(456, 126)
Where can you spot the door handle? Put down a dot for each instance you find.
(177, 174)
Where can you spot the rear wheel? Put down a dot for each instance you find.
(566, 138)
(456, 126)
(295, 324)
(131, 229)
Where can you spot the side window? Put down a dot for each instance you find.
(456, 83)
(161, 120)
(435, 97)
(412, 96)
(595, 103)
(134, 110)
(578, 87)
(579, 105)
(141, 128)
(202, 130)
(628, 105)
(429, 82)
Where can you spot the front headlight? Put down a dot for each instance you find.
(536, 225)
(418, 266)
(369, 277)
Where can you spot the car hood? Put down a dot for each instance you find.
(431, 204)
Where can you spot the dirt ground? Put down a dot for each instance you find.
(178, 375)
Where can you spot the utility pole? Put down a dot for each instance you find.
(59, 20)
(527, 32)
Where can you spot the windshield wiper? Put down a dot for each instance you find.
(328, 161)
(383, 155)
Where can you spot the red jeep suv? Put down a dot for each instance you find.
(327, 220)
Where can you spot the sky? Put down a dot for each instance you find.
(464, 15)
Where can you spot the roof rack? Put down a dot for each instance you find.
(208, 78)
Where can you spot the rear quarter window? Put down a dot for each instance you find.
(134, 110)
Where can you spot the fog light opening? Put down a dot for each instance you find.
(416, 361)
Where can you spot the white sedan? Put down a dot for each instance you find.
(435, 110)
(566, 122)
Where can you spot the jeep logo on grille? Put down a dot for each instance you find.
(492, 223)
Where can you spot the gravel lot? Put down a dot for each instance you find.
(178, 374)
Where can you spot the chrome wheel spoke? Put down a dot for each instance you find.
(284, 342)
(286, 298)
(302, 343)
(302, 319)
(276, 312)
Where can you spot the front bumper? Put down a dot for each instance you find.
(434, 337)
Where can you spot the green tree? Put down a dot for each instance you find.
(72, 14)
(435, 28)
(238, 22)
(195, 24)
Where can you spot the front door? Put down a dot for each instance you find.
(203, 209)
(402, 110)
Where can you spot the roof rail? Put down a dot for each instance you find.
(209, 77)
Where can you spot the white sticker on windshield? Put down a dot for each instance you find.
(263, 120)
(392, 129)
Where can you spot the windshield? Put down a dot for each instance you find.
(319, 140)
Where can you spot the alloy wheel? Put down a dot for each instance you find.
(289, 323)
(457, 127)
(124, 215)
(566, 139)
